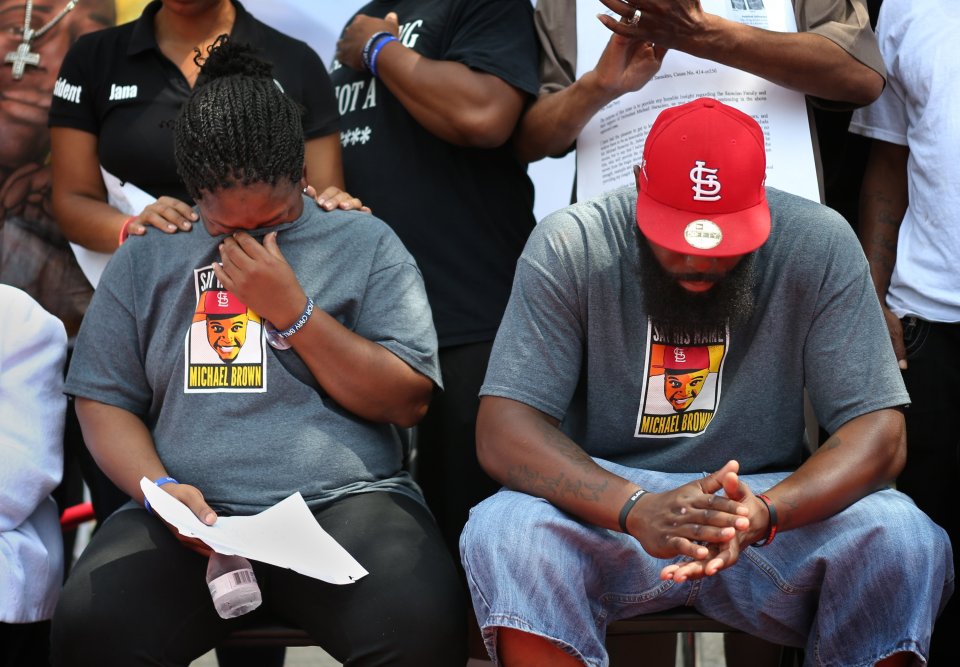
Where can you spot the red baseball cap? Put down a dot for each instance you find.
(685, 358)
(221, 303)
(701, 183)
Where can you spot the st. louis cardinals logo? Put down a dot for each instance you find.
(706, 185)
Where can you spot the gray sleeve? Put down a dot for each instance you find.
(556, 25)
(107, 364)
(396, 313)
(538, 350)
(849, 364)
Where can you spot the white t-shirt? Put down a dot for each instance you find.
(918, 109)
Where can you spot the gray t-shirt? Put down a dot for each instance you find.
(576, 344)
(245, 423)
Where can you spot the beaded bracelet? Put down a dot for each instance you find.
(772, 510)
(160, 481)
(300, 323)
(372, 65)
(627, 506)
(374, 38)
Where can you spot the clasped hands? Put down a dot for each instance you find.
(694, 521)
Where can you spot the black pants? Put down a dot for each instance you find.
(447, 467)
(932, 474)
(25, 644)
(138, 597)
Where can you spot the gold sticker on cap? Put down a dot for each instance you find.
(703, 234)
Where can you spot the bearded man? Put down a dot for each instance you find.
(777, 290)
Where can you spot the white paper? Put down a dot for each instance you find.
(125, 197)
(285, 535)
(612, 142)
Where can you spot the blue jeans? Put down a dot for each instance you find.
(853, 589)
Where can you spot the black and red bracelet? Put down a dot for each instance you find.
(772, 510)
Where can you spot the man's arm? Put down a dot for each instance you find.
(460, 105)
(802, 61)
(525, 450)
(883, 203)
(553, 123)
(862, 456)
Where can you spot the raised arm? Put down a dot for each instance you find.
(460, 105)
(362, 376)
(883, 203)
(802, 61)
(552, 124)
(525, 450)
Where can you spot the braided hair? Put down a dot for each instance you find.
(237, 127)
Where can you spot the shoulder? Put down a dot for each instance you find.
(114, 37)
(28, 325)
(274, 42)
(354, 229)
(595, 230)
(805, 233)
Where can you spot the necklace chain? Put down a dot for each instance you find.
(23, 56)
(28, 34)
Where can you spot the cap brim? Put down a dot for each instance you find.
(741, 231)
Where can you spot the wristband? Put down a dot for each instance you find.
(160, 481)
(771, 508)
(372, 65)
(374, 38)
(627, 506)
(300, 323)
(124, 230)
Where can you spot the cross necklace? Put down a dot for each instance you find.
(23, 56)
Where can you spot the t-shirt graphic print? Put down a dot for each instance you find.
(681, 390)
(225, 347)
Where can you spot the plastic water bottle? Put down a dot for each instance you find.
(233, 586)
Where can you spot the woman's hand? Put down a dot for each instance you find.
(260, 277)
(193, 499)
(166, 214)
(333, 197)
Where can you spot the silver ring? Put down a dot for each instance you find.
(635, 19)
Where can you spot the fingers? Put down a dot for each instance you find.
(166, 214)
(707, 566)
(621, 8)
(193, 498)
(333, 197)
(272, 247)
(618, 27)
(393, 21)
(713, 483)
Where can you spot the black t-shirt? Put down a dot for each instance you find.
(464, 213)
(116, 84)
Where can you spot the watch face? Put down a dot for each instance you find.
(277, 342)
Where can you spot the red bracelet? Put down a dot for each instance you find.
(772, 510)
(124, 230)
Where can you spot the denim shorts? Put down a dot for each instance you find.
(851, 590)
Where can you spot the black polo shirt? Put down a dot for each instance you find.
(116, 84)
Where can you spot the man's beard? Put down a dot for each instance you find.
(730, 300)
